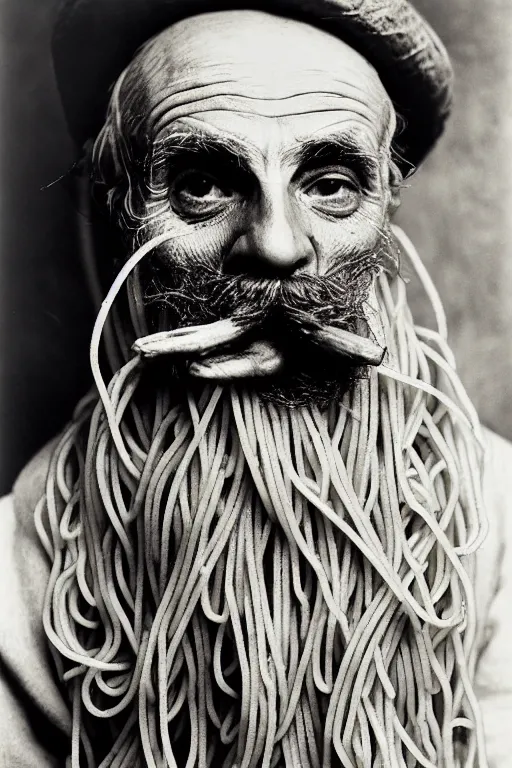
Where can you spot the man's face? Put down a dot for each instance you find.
(264, 146)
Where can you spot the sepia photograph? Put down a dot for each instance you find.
(255, 384)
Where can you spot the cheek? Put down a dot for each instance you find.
(207, 243)
(340, 240)
(204, 243)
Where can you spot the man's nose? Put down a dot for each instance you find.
(275, 242)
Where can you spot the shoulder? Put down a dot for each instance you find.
(33, 715)
(25, 568)
(498, 474)
(497, 498)
(497, 488)
(493, 587)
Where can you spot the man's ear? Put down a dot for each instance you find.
(395, 187)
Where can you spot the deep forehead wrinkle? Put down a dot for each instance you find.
(164, 107)
(152, 103)
(350, 116)
(242, 76)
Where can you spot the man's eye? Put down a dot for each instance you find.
(197, 192)
(335, 193)
(202, 187)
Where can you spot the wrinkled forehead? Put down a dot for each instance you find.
(254, 75)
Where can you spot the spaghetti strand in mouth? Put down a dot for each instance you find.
(203, 341)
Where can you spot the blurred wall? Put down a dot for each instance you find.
(456, 211)
(44, 310)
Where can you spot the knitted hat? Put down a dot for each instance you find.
(94, 40)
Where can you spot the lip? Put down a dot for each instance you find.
(259, 359)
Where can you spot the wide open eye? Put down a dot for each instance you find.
(333, 192)
(199, 193)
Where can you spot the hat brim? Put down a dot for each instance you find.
(94, 40)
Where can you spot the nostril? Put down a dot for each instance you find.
(302, 264)
(272, 248)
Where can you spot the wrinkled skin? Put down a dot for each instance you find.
(263, 146)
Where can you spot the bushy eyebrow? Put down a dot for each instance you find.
(181, 146)
(338, 149)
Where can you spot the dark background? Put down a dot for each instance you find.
(457, 211)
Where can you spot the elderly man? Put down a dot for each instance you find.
(274, 534)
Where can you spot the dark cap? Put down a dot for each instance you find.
(94, 40)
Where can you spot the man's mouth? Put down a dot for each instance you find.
(234, 327)
(231, 349)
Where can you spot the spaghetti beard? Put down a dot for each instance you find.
(271, 586)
